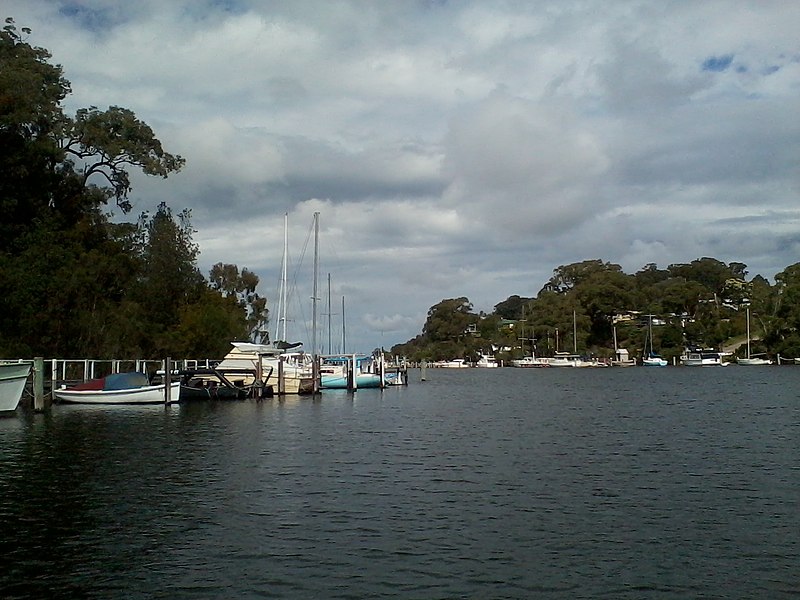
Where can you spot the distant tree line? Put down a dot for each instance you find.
(74, 283)
(585, 305)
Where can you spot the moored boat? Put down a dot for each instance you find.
(294, 368)
(702, 357)
(487, 361)
(119, 388)
(752, 359)
(335, 371)
(530, 362)
(652, 359)
(13, 376)
(456, 363)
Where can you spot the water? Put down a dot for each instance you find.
(501, 483)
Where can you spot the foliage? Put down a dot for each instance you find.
(76, 284)
(585, 304)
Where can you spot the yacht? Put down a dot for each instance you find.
(702, 357)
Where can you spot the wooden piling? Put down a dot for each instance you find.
(38, 384)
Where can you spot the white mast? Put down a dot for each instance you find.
(330, 346)
(343, 327)
(748, 332)
(316, 276)
(280, 325)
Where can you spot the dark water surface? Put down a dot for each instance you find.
(503, 483)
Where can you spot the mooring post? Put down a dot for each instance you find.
(167, 380)
(281, 381)
(351, 374)
(38, 384)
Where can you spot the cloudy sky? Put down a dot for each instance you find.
(452, 148)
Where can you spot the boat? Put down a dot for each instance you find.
(13, 376)
(702, 357)
(622, 359)
(456, 363)
(531, 361)
(621, 356)
(335, 372)
(487, 361)
(213, 384)
(751, 360)
(119, 388)
(286, 372)
(565, 359)
(652, 359)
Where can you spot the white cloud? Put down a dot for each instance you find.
(453, 149)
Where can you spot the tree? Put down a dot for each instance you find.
(241, 287)
(566, 277)
(105, 143)
(449, 320)
(511, 307)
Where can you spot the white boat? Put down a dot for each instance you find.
(456, 363)
(651, 359)
(487, 361)
(623, 359)
(119, 388)
(751, 360)
(295, 368)
(654, 360)
(530, 362)
(565, 359)
(13, 376)
(702, 357)
(621, 356)
(335, 371)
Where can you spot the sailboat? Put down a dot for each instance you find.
(751, 360)
(280, 364)
(531, 360)
(651, 359)
(621, 356)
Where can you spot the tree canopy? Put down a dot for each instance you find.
(585, 305)
(75, 283)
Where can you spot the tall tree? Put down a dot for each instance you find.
(228, 281)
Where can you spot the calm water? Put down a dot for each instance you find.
(505, 483)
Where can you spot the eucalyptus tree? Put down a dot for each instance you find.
(57, 174)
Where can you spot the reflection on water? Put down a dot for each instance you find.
(504, 483)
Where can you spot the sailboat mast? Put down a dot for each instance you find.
(574, 333)
(343, 328)
(280, 325)
(748, 332)
(330, 347)
(316, 277)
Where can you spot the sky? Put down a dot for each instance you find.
(451, 148)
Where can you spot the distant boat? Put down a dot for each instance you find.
(13, 376)
(751, 360)
(530, 362)
(652, 359)
(119, 388)
(456, 363)
(621, 356)
(702, 357)
(487, 361)
(565, 359)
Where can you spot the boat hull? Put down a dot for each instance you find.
(654, 362)
(754, 362)
(339, 382)
(13, 377)
(151, 394)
